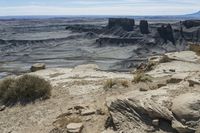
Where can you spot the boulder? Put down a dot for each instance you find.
(2, 108)
(74, 127)
(144, 27)
(155, 122)
(191, 23)
(37, 67)
(187, 106)
(125, 23)
(166, 33)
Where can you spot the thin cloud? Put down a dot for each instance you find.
(98, 7)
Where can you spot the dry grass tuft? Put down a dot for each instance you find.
(141, 77)
(24, 89)
(112, 82)
(109, 84)
(124, 83)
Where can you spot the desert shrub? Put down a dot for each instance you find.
(118, 82)
(24, 89)
(145, 67)
(141, 77)
(109, 84)
(195, 48)
(124, 83)
(6, 85)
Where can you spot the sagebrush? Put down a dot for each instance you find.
(24, 89)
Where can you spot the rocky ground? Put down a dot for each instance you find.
(97, 101)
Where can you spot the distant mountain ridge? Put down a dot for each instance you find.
(197, 14)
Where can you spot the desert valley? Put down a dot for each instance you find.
(103, 74)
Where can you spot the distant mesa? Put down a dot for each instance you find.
(166, 33)
(125, 23)
(123, 32)
(144, 27)
(191, 23)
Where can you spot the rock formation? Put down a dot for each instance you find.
(84, 28)
(191, 23)
(125, 23)
(166, 33)
(144, 27)
(137, 112)
(117, 41)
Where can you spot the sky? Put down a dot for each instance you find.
(98, 7)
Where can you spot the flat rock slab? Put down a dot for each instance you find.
(88, 112)
(83, 72)
(178, 66)
(184, 56)
(74, 127)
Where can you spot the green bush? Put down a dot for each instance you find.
(24, 89)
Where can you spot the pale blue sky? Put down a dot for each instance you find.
(98, 7)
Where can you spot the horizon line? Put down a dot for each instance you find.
(47, 15)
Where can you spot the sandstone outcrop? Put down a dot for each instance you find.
(125, 23)
(137, 111)
(144, 27)
(166, 33)
(191, 23)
